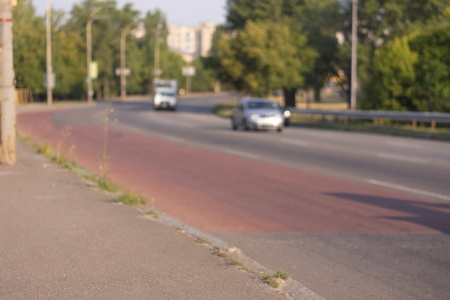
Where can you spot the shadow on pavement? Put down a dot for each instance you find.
(432, 215)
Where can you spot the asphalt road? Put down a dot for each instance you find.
(348, 215)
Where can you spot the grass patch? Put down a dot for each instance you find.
(273, 279)
(405, 129)
(132, 199)
(281, 274)
(270, 280)
(203, 241)
(225, 109)
(223, 253)
(43, 149)
(234, 262)
(152, 211)
(103, 182)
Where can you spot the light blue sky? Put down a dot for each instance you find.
(178, 12)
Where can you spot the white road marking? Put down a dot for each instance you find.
(294, 142)
(401, 158)
(175, 139)
(243, 154)
(404, 144)
(408, 189)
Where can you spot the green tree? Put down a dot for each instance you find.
(394, 77)
(68, 50)
(241, 11)
(432, 87)
(380, 22)
(105, 35)
(29, 47)
(285, 19)
(204, 79)
(320, 20)
(266, 56)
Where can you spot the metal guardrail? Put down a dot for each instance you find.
(379, 114)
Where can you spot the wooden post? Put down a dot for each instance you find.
(433, 125)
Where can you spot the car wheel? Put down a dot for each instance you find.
(245, 125)
(233, 124)
(279, 129)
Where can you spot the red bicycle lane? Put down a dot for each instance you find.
(217, 192)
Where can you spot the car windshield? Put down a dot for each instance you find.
(170, 94)
(259, 105)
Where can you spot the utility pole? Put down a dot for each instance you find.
(354, 54)
(49, 77)
(8, 153)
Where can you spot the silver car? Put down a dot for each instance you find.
(257, 113)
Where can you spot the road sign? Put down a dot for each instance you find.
(188, 71)
(52, 81)
(126, 72)
(93, 72)
(158, 72)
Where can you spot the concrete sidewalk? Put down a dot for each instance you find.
(62, 239)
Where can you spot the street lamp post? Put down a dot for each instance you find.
(91, 19)
(157, 71)
(123, 79)
(354, 55)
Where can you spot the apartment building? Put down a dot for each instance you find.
(191, 42)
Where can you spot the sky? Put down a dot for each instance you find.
(177, 12)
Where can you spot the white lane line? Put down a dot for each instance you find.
(404, 144)
(175, 139)
(243, 154)
(408, 189)
(294, 142)
(401, 158)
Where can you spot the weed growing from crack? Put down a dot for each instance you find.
(233, 262)
(62, 155)
(281, 274)
(104, 162)
(270, 280)
(223, 253)
(273, 279)
(203, 241)
(152, 211)
(43, 149)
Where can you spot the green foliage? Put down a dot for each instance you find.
(29, 47)
(403, 60)
(132, 199)
(267, 56)
(68, 49)
(241, 11)
(394, 76)
(204, 79)
(379, 24)
(432, 88)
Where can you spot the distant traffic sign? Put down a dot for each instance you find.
(188, 71)
(126, 72)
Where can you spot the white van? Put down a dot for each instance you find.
(165, 94)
